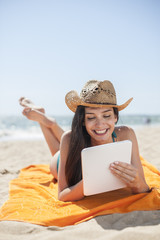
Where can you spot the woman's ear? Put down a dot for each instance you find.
(83, 124)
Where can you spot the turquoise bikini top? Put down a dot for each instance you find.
(114, 136)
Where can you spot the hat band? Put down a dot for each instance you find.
(101, 103)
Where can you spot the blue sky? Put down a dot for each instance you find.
(49, 47)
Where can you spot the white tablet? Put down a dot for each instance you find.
(97, 178)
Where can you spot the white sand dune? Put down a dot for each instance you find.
(135, 225)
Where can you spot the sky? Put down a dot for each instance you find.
(50, 47)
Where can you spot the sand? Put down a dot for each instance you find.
(15, 155)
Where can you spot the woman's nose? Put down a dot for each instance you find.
(99, 122)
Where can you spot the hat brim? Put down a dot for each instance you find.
(73, 100)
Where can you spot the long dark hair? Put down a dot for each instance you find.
(116, 113)
(79, 139)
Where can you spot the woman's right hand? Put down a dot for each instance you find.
(130, 176)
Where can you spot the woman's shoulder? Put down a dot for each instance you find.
(65, 141)
(124, 133)
(66, 136)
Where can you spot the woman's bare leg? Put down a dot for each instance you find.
(46, 121)
(51, 130)
(46, 124)
(51, 140)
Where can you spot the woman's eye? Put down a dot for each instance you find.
(91, 118)
(107, 116)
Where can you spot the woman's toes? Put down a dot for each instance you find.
(26, 102)
(21, 99)
(26, 110)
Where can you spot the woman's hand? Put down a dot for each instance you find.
(130, 176)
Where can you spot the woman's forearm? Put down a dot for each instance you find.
(72, 193)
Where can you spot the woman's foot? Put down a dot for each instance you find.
(27, 103)
(38, 116)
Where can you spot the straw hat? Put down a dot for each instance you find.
(95, 94)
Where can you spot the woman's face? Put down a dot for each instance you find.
(100, 123)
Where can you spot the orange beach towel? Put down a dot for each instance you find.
(33, 198)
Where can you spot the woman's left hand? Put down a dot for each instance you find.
(130, 176)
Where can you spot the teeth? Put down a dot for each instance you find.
(100, 131)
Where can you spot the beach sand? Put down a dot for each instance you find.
(15, 155)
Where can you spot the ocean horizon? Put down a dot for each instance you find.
(20, 128)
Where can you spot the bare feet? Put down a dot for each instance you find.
(35, 113)
(40, 117)
(25, 102)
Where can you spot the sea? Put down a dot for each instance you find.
(14, 128)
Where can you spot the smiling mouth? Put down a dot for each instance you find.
(101, 132)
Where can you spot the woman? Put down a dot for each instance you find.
(96, 113)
